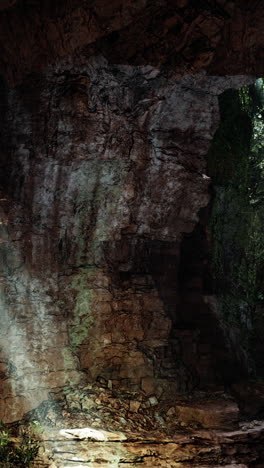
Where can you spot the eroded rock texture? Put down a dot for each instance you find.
(182, 36)
(103, 170)
(107, 115)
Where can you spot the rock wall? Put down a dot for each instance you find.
(102, 171)
(107, 113)
(182, 36)
(107, 319)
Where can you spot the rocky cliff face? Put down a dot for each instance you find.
(107, 115)
(104, 171)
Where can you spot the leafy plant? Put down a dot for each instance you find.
(14, 455)
(36, 427)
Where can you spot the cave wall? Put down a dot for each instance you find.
(103, 169)
(183, 36)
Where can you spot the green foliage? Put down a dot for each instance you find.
(236, 165)
(17, 456)
(36, 427)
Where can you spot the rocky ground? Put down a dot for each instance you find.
(95, 427)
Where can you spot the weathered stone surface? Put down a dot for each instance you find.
(204, 449)
(88, 148)
(250, 397)
(182, 36)
(107, 433)
(210, 414)
(107, 112)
